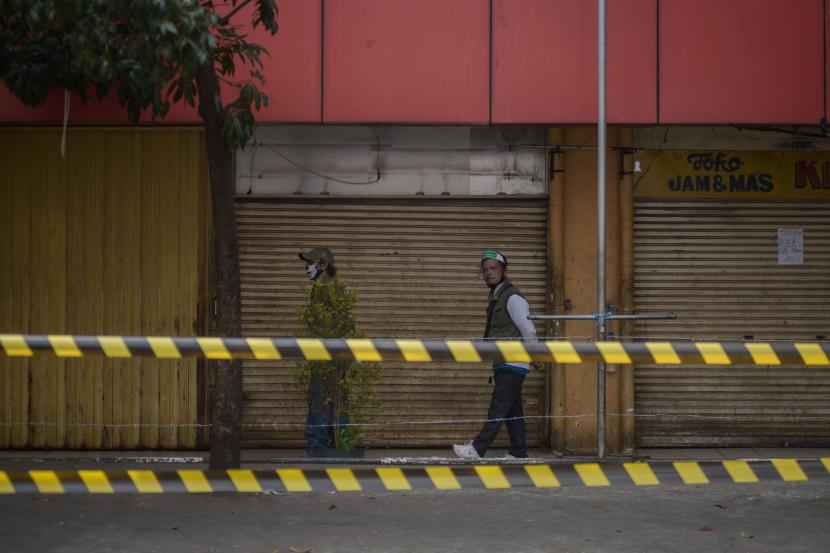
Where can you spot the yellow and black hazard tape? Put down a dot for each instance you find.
(466, 351)
(289, 480)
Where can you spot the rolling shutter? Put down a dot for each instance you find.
(715, 264)
(414, 266)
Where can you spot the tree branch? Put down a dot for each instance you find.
(225, 20)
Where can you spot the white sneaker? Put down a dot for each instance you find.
(465, 451)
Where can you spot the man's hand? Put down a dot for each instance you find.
(538, 365)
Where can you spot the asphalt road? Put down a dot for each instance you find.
(768, 517)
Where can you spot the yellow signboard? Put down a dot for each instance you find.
(733, 174)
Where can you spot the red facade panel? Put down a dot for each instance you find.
(292, 71)
(545, 61)
(399, 61)
(826, 59)
(742, 61)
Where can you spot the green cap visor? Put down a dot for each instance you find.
(493, 254)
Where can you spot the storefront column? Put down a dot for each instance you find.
(574, 219)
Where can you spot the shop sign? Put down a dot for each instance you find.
(733, 174)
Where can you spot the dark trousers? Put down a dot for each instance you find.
(506, 403)
(319, 431)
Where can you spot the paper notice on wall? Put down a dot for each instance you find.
(791, 246)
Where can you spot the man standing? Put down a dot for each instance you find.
(324, 317)
(507, 318)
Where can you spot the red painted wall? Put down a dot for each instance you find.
(428, 62)
(292, 71)
(106, 112)
(545, 61)
(741, 61)
(827, 59)
(399, 61)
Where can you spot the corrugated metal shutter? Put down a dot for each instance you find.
(110, 239)
(715, 264)
(414, 266)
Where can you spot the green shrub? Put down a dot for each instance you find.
(348, 386)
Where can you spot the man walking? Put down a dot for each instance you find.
(507, 318)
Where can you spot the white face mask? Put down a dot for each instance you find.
(313, 271)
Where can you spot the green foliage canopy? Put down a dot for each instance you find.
(147, 51)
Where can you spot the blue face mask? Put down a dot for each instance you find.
(313, 271)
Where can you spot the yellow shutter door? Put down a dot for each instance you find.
(104, 241)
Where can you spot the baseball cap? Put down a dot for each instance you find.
(318, 253)
(493, 254)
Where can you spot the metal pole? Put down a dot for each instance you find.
(611, 317)
(601, 152)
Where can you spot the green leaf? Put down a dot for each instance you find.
(167, 27)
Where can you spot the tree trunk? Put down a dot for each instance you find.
(226, 424)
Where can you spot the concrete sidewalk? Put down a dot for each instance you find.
(732, 453)
(417, 456)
